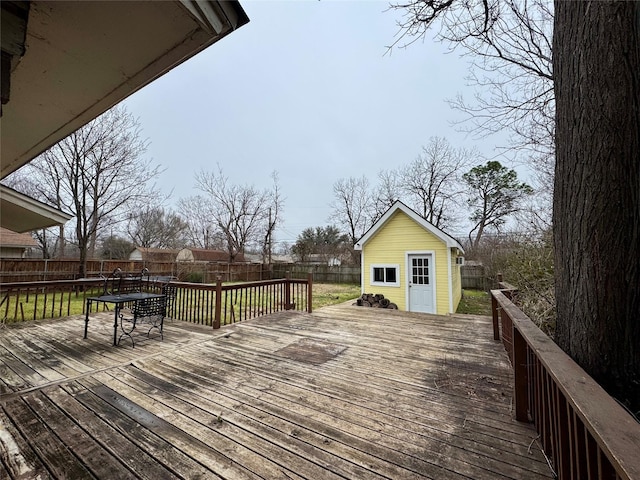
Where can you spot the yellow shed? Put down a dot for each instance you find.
(411, 262)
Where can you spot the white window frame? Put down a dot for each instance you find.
(396, 266)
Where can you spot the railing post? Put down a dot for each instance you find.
(309, 292)
(218, 314)
(520, 373)
(287, 291)
(494, 313)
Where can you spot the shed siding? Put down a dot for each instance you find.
(389, 246)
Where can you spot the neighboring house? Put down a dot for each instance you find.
(205, 255)
(411, 262)
(154, 254)
(15, 245)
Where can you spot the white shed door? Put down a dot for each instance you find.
(421, 298)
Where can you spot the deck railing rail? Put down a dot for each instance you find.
(585, 433)
(208, 304)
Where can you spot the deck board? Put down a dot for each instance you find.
(345, 392)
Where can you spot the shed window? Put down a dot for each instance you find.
(386, 275)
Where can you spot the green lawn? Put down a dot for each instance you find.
(325, 294)
(476, 302)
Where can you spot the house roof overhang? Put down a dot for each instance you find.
(21, 213)
(64, 63)
(448, 240)
(82, 58)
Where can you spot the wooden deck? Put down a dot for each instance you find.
(345, 392)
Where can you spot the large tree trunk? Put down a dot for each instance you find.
(597, 190)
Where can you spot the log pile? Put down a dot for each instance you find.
(376, 301)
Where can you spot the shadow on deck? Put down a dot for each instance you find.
(344, 392)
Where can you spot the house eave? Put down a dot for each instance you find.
(21, 213)
(82, 58)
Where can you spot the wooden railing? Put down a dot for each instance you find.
(220, 304)
(20, 301)
(205, 304)
(583, 431)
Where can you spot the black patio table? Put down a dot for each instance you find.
(119, 301)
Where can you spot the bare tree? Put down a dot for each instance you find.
(508, 43)
(239, 211)
(432, 182)
(352, 208)
(275, 206)
(201, 230)
(154, 227)
(97, 174)
(386, 193)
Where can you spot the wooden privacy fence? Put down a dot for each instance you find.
(207, 304)
(584, 432)
(32, 270)
(474, 277)
(321, 273)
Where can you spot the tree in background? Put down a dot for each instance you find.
(97, 173)
(116, 248)
(494, 194)
(386, 193)
(508, 44)
(353, 208)
(432, 182)
(596, 211)
(328, 242)
(238, 212)
(276, 205)
(201, 231)
(154, 227)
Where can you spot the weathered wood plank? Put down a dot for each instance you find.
(51, 451)
(208, 433)
(166, 393)
(135, 458)
(193, 445)
(18, 456)
(15, 348)
(130, 432)
(90, 454)
(380, 429)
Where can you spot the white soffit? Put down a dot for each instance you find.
(21, 213)
(82, 58)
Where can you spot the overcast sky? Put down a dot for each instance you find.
(307, 89)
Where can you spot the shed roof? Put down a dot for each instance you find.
(447, 239)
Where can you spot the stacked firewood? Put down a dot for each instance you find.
(376, 300)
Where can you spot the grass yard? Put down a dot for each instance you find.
(475, 302)
(325, 294)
